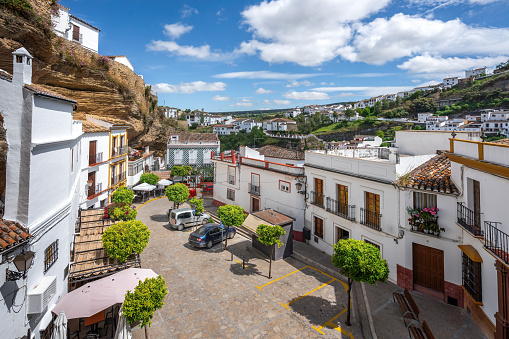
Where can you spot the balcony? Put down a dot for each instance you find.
(342, 210)
(428, 226)
(371, 219)
(469, 220)
(231, 179)
(119, 150)
(496, 241)
(93, 191)
(95, 158)
(254, 189)
(116, 179)
(316, 199)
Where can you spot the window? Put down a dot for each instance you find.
(231, 175)
(19, 59)
(422, 200)
(342, 233)
(372, 243)
(284, 186)
(318, 227)
(230, 194)
(50, 255)
(472, 278)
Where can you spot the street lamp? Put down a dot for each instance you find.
(22, 261)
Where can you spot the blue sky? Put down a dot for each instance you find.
(243, 55)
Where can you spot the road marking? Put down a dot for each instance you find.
(146, 202)
(302, 296)
(389, 301)
(334, 326)
(330, 276)
(270, 282)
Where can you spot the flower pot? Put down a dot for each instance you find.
(415, 228)
(436, 233)
(425, 231)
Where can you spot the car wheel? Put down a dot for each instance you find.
(209, 244)
(205, 221)
(181, 227)
(231, 235)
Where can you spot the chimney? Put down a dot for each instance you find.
(22, 66)
(222, 156)
(211, 154)
(234, 157)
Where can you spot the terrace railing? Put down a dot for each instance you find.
(317, 199)
(343, 210)
(496, 241)
(371, 219)
(254, 189)
(469, 220)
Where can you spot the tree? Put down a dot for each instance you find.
(123, 195)
(180, 171)
(147, 297)
(149, 178)
(380, 133)
(359, 261)
(365, 112)
(177, 193)
(349, 113)
(183, 116)
(202, 118)
(421, 105)
(270, 236)
(377, 109)
(125, 238)
(231, 215)
(198, 205)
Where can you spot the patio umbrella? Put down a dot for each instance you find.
(60, 327)
(165, 182)
(144, 187)
(98, 295)
(123, 328)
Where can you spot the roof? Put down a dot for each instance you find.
(273, 217)
(111, 120)
(84, 22)
(280, 152)
(163, 174)
(5, 75)
(89, 127)
(115, 56)
(501, 141)
(12, 234)
(434, 175)
(196, 136)
(39, 90)
(228, 126)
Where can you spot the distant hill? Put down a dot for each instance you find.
(271, 111)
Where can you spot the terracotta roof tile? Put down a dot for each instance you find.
(111, 120)
(273, 217)
(163, 174)
(196, 136)
(37, 89)
(11, 234)
(89, 127)
(434, 175)
(280, 152)
(5, 75)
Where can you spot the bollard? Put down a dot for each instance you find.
(243, 263)
(232, 256)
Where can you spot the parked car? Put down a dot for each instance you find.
(209, 234)
(185, 217)
(208, 188)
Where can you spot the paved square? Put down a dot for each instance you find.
(212, 296)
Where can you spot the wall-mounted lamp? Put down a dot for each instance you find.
(22, 261)
(298, 186)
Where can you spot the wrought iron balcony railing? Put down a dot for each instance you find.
(469, 220)
(496, 241)
(316, 199)
(254, 189)
(119, 150)
(117, 179)
(371, 219)
(343, 210)
(95, 158)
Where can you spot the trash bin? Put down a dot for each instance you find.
(306, 232)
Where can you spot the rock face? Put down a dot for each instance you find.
(100, 86)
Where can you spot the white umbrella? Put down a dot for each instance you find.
(165, 182)
(60, 327)
(144, 187)
(123, 328)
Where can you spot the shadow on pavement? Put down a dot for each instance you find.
(159, 218)
(317, 310)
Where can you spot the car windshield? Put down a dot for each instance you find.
(201, 231)
(172, 215)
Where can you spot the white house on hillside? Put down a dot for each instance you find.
(41, 198)
(476, 72)
(170, 112)
(74, 29)
(122, 59)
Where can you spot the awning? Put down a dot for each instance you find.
(471, 252)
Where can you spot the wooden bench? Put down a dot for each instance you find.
(417, 332)
(407, 305)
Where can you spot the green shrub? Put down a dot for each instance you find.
(149, 178)
(198, 204)
(124, 213)
(147, 297)
(123, 195)
(125, 238)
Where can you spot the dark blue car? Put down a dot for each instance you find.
(209, 234)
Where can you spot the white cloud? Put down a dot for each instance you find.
(323, 83)
(295, 83)
(220, 98)
(384, 40)
(264, 75)
(451, 2)
(366, 90)
(176, 30)
(263, 91)
(242, 104)
(281, 33)
(190, 87)
(187, 11)
(306, 95)
(277, 102)
(430, 64)
(366, 75)
(202, 52)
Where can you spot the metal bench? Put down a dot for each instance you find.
(407, 305)
(420, 332)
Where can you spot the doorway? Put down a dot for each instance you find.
(428, 267)
(255, 204)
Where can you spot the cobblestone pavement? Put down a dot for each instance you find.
(212, 296)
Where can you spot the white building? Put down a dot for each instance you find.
(293, 113)
(224, 129)
(248, 125)
(367, 141)
(422, 117)
(140, 162)
(476, 72)
(255, 183)
(122, 59)
(42, 196)
(74, 29)
(447, 125)
(193, 149)
(415, 142)
(280, 124)
(450, 82)
(170, 112)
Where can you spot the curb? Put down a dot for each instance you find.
(146, 202)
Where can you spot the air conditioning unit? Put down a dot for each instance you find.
(39, 298)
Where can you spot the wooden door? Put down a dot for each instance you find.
(372, 206)
(92, 151)
(477, 203)
(75, 33)
(318, 227)
(318, 191)
(428, 266)
(91, 178)
(255, 205)
(342, 199)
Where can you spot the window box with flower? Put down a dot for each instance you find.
(424, 220)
